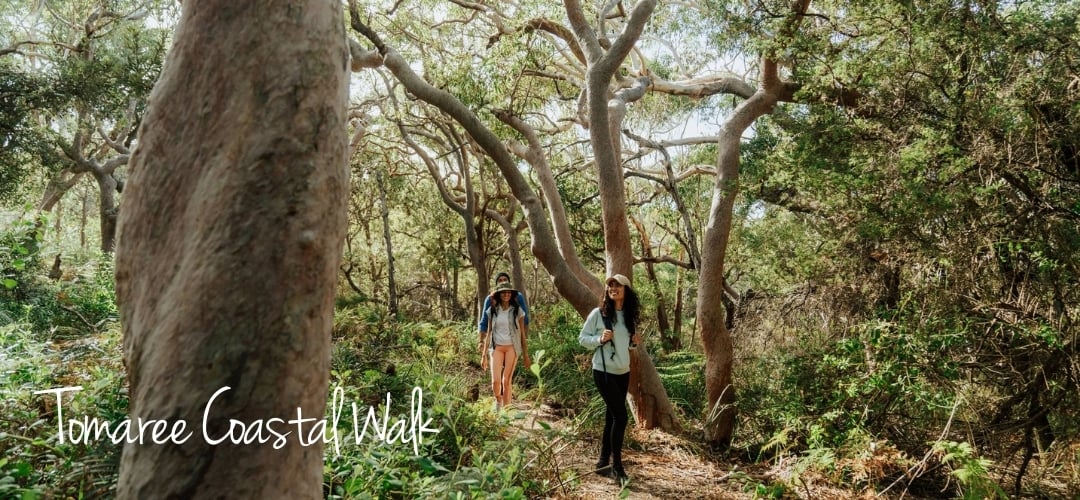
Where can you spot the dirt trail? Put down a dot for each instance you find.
(661, 466)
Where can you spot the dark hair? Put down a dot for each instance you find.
(496, 302)
(501, 274)
(630, 308)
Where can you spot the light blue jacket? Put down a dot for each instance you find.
(613, 357)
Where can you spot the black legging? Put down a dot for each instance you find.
(613, 389)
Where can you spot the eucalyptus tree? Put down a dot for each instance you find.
(229, 248)
(602, 59)
(86, 70)
(551, 242)
(403, 145)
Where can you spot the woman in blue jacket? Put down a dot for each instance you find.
(503, 277)
(503, 342)
(610, 332)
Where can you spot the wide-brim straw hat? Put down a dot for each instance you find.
(503, 287)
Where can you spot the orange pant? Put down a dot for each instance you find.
(503, 361)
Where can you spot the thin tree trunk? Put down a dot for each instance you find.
(662, 323)
(57, 226)
(384, 211)
(677, 312)
(229, 245)
(107, 210)
(513, 254)
(85, 203)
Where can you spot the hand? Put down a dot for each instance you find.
(635, 339)
(528, 362)
(606, 336)
(483, 362)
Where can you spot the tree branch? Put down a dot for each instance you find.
(577, 293)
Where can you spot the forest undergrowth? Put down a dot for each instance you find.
(811, 425)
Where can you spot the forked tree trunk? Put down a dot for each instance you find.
(648, 399)
(229, 244)
(715, 337)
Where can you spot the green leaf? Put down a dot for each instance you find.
(22, 469)
(10, 283)
(537, 366)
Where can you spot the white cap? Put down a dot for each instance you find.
(623, 280)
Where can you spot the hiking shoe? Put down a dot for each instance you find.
(619, 475)
(603, 469)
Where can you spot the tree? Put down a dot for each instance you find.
(649, 400)
(952, 193)
(229, 245)
(79, 75)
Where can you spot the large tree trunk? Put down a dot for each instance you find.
(229, 245)
(648, 399)
(715, 337)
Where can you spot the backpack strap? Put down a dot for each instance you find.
(607, 326)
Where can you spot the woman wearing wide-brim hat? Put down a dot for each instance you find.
(503, 342)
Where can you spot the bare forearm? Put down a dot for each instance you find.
(483, 342)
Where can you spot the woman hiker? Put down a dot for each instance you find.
(503, 342)
(610, 332)
(503, 277)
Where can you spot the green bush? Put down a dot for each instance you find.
(37, 464)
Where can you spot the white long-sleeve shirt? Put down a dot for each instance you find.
(602, 358)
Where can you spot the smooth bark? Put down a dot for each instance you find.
(711, 318)
(229, 245)
(543, 245)
(606, 109)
